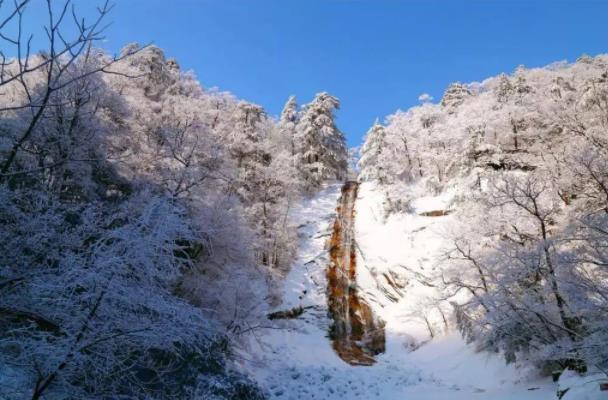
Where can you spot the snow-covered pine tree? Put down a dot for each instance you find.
(290, 111)
(287, 124)
(504, 90)
(321, 145)
(246, 135)
(455, 95)
(373, 147)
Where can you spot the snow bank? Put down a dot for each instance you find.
(577, 387)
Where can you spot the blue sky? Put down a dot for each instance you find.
(375, 55)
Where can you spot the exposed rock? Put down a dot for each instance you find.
(357, 335)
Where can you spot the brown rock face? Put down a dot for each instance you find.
(357, 336)
(435, 213)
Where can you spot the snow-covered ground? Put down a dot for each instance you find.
(297, 361)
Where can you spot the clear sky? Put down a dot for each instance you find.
(375, 55)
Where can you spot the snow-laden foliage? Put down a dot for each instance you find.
(321, 148)
(370, 162)
(526, 155)
(141, 217)
(87, 293)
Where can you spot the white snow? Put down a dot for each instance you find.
(406, 244)
(297, 361)
(587, 387)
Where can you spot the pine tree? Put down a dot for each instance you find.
(505, 89)
(521, 85)
(287, 124)
(290, 111)
(374, 146)
(320, 144)
(244, 142)
(455, 95)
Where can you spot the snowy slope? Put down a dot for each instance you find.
(399, 248)
(296, 360)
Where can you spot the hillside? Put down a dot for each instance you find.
(296, 360)
(160, 239)
(512, 172)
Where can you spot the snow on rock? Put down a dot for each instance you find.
(576, 387)
(395, 254)
(305, 283)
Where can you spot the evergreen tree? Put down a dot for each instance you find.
(321, 145)
(373, 148)
(505, 89)
(290, 111)
(455, 95)
(247, 135)
(287, 124)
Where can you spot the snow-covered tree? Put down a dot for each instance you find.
(455, 95)
(374, 146)
(287, 124)
(130, 195)
(321, 145)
